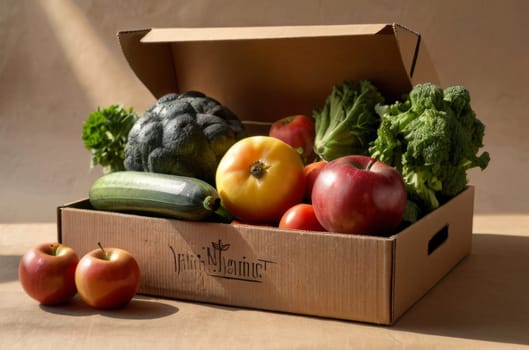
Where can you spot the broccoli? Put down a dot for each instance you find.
(182, 134)
(347, 123)
(432, 137)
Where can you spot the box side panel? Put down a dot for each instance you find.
(263, 80)
(430, 248)
(336, 276)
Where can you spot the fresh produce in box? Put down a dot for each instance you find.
(259, 178)
(432, 138)
(182, 134)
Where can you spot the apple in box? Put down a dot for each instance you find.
(47, 272)
(359, 195)
(299, 132)
(107, 278)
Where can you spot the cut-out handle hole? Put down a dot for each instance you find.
(438, 239)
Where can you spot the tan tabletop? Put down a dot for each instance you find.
(482, 304)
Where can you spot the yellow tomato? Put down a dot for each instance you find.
(259, 178)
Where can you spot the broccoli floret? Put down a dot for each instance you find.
(432, 138)
(426, 96)
(426, 138)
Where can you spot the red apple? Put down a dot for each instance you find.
(107, 278)
(311, 172)
(299, 132)
(47, 272)
(359, 195)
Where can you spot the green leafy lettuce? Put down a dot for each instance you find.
(105, 134)
(347, 123)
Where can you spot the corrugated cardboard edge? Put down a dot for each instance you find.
(186, 34)
(399, 29)
(82, 203)
(416, 57)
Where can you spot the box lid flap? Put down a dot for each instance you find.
(265, 73)
(159, 35)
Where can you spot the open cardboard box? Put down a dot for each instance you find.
(262, 74)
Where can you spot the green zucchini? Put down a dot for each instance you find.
(180, 197)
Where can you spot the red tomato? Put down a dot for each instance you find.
(299, 132)
(301, 217)
(311, 172)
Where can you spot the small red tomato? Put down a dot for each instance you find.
(301, 217)
(311, 172)
(299, 132)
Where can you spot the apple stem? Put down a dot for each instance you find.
(102, 249)
(53, 249)
(370, 164)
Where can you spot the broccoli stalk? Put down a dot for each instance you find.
(432, 138)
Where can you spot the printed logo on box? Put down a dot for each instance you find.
(217, 262)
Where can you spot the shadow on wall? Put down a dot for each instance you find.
(47, 98)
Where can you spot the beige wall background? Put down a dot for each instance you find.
(60, 59)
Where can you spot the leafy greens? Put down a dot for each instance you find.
(105, 134)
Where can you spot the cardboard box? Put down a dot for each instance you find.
(263, 74)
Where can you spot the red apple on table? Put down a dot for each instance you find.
(299, 132)
(359, 195)
(107, 278)
(47, 273)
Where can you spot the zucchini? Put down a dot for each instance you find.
(175, 196)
